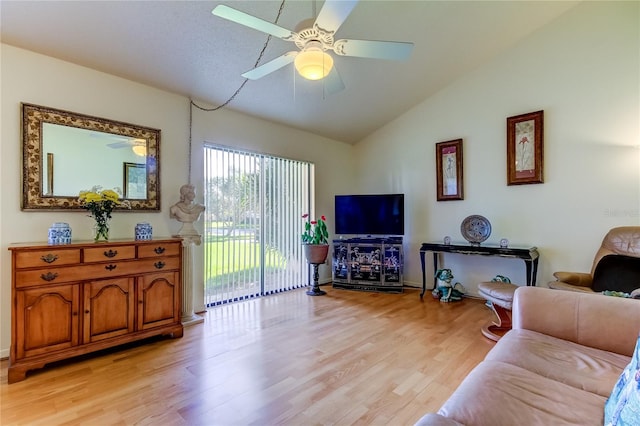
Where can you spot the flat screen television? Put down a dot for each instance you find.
(373, 214)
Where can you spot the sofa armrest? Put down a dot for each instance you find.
(433, 419)
(602, 322)
(581, 279)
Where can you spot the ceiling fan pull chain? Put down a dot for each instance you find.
(264, 48)
(228, 101)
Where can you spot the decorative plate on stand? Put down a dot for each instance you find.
(475, 229)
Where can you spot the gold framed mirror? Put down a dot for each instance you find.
(65, 152)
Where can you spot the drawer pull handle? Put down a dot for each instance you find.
(159, 265)
(50, 258)
(110, 267)
(111, 253)
(159, 250)
(49, 276)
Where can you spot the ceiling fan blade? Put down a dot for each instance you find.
(393, 50)
(333, 82)
(117, 145)
(334, 13)
(247, 20)
(271, 66)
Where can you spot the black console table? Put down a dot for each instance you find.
(528, 254)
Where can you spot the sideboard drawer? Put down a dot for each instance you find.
(109, 253)
(142, 266)
(44, 258)
(38, 277)
(160, 249)
(67, 274)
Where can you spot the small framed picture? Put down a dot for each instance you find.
(449, 170)
(135, 181)
(525, 148)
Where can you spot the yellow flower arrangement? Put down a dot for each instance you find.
(100, 204)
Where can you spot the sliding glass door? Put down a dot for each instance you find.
(254, 204)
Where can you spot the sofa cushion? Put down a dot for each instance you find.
(497, 393)
(589, 369)
(603, 322)
(623, 406)
(617, 272)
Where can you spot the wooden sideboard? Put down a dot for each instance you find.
(69, 300)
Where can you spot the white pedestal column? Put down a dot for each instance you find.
(187, 212)
(188, 315)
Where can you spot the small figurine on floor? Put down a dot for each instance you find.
(445, 291)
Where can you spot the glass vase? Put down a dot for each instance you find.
(101, 231)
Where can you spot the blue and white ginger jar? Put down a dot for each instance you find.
(59, 233)
(144, 231)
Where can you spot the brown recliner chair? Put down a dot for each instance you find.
(616, 266)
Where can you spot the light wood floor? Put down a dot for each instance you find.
(289, 359)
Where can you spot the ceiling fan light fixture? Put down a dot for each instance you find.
(313, 63)
(139, 150)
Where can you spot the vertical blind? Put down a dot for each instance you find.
(253, 222)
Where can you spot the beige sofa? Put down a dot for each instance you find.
(557, 365)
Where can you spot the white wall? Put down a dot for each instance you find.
(583, 70)
(37, 79)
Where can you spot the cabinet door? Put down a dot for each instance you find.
(158, 299)
(109, 309)
(46, 319)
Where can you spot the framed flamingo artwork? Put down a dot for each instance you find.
(525, 135)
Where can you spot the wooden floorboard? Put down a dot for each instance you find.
(347, 358)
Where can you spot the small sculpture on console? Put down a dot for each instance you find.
(445, 290)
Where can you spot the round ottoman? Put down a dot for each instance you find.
(500, 294)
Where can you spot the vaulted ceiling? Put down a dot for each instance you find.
(181, 47)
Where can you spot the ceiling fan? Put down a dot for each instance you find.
(137, 145)
(314, 38)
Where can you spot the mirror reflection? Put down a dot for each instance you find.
(122, 161)
(65, 153)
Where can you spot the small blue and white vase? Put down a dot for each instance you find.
(144, 231)
(59, 233)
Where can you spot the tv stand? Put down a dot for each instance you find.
(368, 264)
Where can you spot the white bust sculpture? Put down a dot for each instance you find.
(186, 211)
